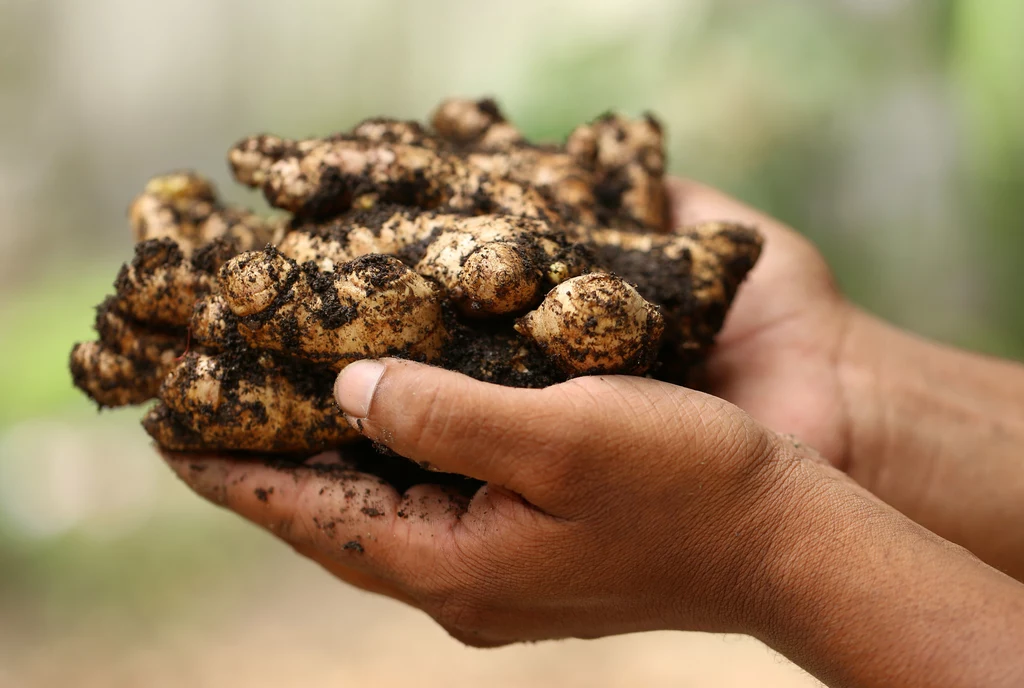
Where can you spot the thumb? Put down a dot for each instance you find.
(536, 442)
(450, 422)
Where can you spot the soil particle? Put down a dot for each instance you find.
(490, 350)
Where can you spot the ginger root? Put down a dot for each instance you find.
(595, 323)
(462, 245)
(244, 403)
(371, 307)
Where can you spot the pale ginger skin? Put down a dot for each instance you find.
(183, 206)
(614, 161)
(371, 307)
(161, 285)
(183, 236)
(130, 338)
(462, 245)
(128, 363)
(242, 404)
(489, 264)
(479, 124)
(595, 323)
(628, 160)
(611, 167)
(113, 379)
(692, 275)
(320, 178)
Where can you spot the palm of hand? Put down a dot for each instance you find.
(778, 355)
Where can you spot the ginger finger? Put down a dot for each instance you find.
(736, 246)
(595, 324)
(322, 178)
(131, 339)
(693, 276)
(262, 404)
(388, 229)
(183, 206)
(251, 158)
(477, 123)
(494, 279)
(490, 264)
(499, 149)
(628, 159)
(213, 324)
(160, 286)
(614, 161)
(168, 202)
(371, 307)
(112, 379)
(169, 432)
(570, 185)
(386, 130)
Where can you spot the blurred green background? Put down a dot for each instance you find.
(889, 131)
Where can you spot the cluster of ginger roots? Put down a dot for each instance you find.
(461, 245)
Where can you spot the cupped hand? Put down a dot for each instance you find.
(780, 354)
(611, 505)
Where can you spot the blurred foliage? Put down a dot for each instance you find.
(40, 326)
(988, 57)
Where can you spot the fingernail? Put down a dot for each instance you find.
(355, 386)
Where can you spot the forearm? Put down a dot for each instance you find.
(939, 434)
(867, 598)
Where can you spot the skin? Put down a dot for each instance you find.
(619, 504)
(931, 430)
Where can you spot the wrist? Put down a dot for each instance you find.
(862, 371)
(797, 528)
(759, 522)
(857, 594)
(798, 488)
(936, 433)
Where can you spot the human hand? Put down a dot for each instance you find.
(647, 506)
(644, 506)
(780, 354)
(930, 430)
(612, 504)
